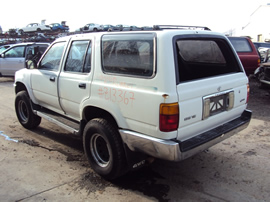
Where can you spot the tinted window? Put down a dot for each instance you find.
(241, 44)
(128, 54)
(79, 57)
(201, 58)
(53, 57)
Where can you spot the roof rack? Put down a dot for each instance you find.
(161, 27)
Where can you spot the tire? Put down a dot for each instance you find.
(24, 111)
(104, 149)
(95, 30)
(39, 30)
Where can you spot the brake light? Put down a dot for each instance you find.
(248, 89)
(168, 117)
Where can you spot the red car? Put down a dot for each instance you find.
(247, 53)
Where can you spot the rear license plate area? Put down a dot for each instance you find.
(217, 103)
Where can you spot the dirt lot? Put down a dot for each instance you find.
(48, 164)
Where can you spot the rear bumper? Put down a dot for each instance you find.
(174, 150)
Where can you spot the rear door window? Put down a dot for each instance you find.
(79, 57)
(201, 58)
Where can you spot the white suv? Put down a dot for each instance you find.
(163, 93)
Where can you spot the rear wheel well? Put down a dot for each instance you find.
(95, 112)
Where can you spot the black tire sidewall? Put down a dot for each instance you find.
(115, 147)
(33, 120)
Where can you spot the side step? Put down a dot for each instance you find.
(64, 122)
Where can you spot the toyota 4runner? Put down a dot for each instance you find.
(139, 95)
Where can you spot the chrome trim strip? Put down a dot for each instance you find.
(62, 125)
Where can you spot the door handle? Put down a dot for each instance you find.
(82, 85)
(52, 78)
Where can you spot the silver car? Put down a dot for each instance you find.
(13, 58)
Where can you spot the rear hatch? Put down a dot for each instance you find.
(211, 84)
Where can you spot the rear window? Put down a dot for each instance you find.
(202, 58)
(128, 54)
(240, 44)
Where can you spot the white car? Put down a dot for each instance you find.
(13, 58)
(34, 27)
(92, 27)
(133, 96)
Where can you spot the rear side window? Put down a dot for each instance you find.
(202, 58)
(128, 54)
(241, 44)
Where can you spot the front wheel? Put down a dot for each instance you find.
(104, 149)
(24, 111)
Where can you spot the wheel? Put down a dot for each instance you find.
(24, 111)
(104, 149)
(95, 30)
(38, 30)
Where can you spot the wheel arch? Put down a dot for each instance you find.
(91, 112)
(20, 87)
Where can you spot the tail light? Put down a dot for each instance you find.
(248, 89)
(168, 117)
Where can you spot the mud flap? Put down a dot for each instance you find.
(136, 160)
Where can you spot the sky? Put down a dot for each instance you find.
(218, 15)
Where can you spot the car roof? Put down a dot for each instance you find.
(26, 44)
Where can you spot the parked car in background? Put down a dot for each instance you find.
(261, 44)
(40, 37)
(261, 47)
(1, 31)
(4, 47)
(247, 53)
(92, 27)
(262, 73)
(13, 58)
(132, 28)
(109, 27)
(35, 27)
(59, 27)
(263, 53)
(121, 27)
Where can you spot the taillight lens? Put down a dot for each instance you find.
(168, 117)
(248, 89)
